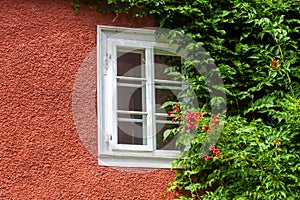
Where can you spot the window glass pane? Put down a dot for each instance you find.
(131, 128)
(166, 89)
(131, 100)
(131, 132)
(129, 63)
(161, 63)
(163, 122)
(169, 143)
(162, 95)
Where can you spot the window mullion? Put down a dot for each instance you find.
(144, 100)
(150, 96)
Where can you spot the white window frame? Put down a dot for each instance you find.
(109, 152)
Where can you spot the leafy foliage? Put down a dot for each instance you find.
(257, 161)
(255, 45)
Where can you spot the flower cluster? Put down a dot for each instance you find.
(193, 119)
(175, 110)
(215, 123)
(214, 150)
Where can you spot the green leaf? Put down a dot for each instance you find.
(167, 133)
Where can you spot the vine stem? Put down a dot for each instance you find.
(195, 192)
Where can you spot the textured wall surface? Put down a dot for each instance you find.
(42, 156)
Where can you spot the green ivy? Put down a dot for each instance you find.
(255, 45)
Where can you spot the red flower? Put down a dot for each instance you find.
(216, 151)
(214, 120)
(207, 157)
(206, 128)
(188, 127)
(176, 108)
(176, 111)
(175, 119)
(212, 148)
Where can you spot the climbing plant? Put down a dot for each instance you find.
(255, 45)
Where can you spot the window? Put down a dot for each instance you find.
(132, 86)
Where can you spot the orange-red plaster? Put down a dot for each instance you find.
(42, 45)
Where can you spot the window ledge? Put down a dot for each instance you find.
(135, 161)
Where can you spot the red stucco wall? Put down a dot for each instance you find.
(42, 46)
